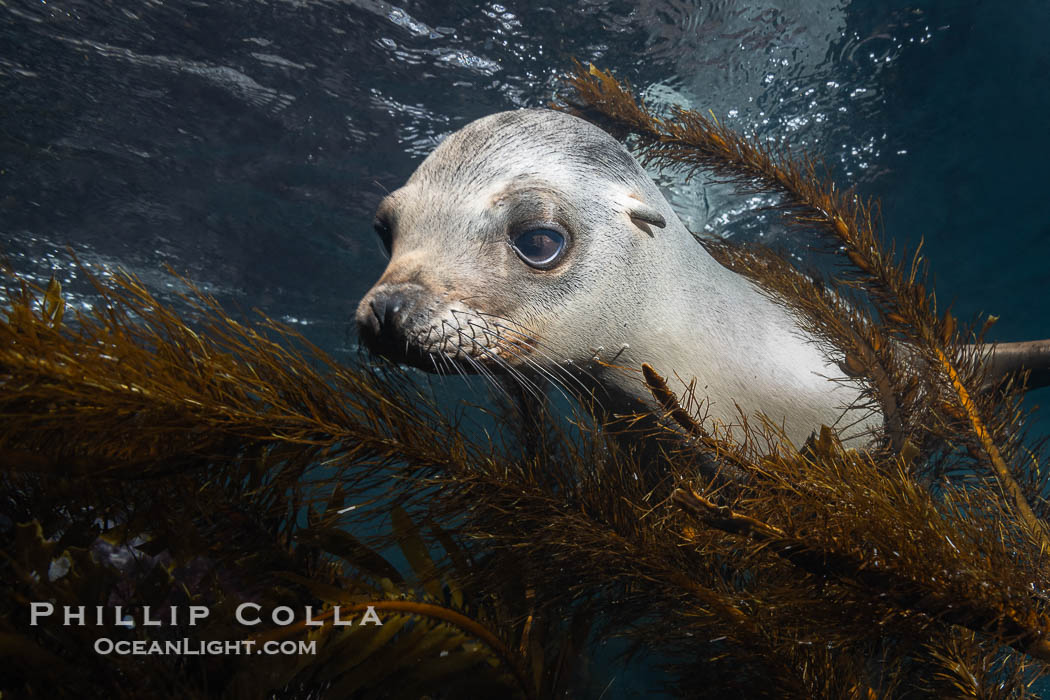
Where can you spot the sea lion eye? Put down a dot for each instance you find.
(539, 247)
(382, 228)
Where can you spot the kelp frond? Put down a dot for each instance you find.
(956, 558)
(907, 310)
(93, 384)
(248, 436)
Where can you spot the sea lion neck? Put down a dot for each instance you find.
(693, 311)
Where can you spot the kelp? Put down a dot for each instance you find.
(159, 458)
(177, 466)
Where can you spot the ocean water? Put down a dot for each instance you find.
(247, 144)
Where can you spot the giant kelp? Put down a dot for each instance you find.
(157, 458)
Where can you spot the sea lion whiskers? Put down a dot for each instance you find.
(538, 347)
(481, 368)
(520, 337)
(528, 361)
(523, 382)
(488, 376)
(462, 356)
(556, 365)
(526, 383)
(450, 367)
(501, 346)
(459, 327)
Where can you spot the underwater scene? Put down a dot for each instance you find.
(226, 473)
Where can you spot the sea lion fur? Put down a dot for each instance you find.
(633, 285)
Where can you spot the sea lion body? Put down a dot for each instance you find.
(631, 285)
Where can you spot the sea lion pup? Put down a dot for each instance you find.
(531, 244)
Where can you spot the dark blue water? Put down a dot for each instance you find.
(247, 144)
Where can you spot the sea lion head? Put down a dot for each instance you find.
(516, 244)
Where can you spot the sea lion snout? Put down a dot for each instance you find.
(410, 324)
(384, 317)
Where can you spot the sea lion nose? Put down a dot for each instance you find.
(385, 308)
(381, 318)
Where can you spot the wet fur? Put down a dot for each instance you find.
(627, 292)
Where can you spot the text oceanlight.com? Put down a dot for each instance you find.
(196, 647)
(246, 614)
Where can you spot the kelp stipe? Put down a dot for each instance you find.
(151, 461)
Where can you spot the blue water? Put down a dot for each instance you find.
(247, 144)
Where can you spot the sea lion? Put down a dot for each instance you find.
(531, 245)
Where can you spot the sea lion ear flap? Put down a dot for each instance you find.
(640, 211)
